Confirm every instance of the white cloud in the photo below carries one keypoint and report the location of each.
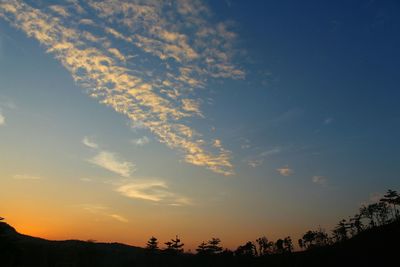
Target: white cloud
(285, 171)
(119, 218)
(26, 177)
(141, 141)
(319, 179)
(154, 190)
(110, 162)
(275, 150)
(2, 120)
(159, 98)
(89, 143)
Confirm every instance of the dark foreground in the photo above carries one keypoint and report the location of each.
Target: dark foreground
(379, 246)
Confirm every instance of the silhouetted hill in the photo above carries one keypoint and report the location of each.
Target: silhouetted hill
(373, 247)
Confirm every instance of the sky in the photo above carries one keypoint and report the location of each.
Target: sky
(122, 120)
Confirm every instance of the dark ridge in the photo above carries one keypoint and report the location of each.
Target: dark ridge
(377, 246)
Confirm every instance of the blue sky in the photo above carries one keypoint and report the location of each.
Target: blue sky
(254, 114)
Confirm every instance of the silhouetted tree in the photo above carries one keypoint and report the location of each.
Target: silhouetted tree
(321, 238)
(308, 239)
(313, 239)
(202, 248)
(301, 243)
(175, 245)
(392, 198)
(264, 246)
(357, 224)
(152, 244)
(213, 246)
(368, 213)
(248, 249)
(340, 231)
(382, 213)
(287, 244)
(279, 246)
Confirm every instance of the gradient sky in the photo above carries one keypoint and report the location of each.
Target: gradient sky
(120, 120)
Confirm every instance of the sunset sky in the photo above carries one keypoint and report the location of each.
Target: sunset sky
(120, 120)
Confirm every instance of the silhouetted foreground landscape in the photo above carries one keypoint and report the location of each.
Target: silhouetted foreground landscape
(370, 238)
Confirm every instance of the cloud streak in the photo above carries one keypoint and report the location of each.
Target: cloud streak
(2, 119)
(112, 163)
(285, 171)
(321, 180)
(154, 190)
(26, 177)
(171, 57)
(89, 143)
(259, 159)
(103, 211)
(141, 141)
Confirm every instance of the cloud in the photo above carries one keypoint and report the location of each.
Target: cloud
(157, 88)
(141, 141)
(119, 218)
(217, 143)
(62, 11)
(2, 119)
(110, 162)
(6, 102)
(322, 180)
(285, 171)
(26, 177)
(154, 190)
(103, 211)
(328, 121)
(89, 143)
(257, 160)
(289, 115)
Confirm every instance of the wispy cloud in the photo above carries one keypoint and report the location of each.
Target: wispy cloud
(112, 163)
(2, 119)
(328, 121)
(108, 160)
(86, 179)
(89, 143)
(173, 37)
(289, 115)
(285, 171)
(141, 141)
(7, 103)
(26, 177)
(119, 218)
(322, 180)
(103, 211)
(257, 160)
(154, 190)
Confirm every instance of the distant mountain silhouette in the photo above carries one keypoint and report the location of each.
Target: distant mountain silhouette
(377, 246)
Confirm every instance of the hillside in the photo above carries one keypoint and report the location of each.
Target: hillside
(374, 247)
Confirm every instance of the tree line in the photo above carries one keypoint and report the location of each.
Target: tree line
(383, 212)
